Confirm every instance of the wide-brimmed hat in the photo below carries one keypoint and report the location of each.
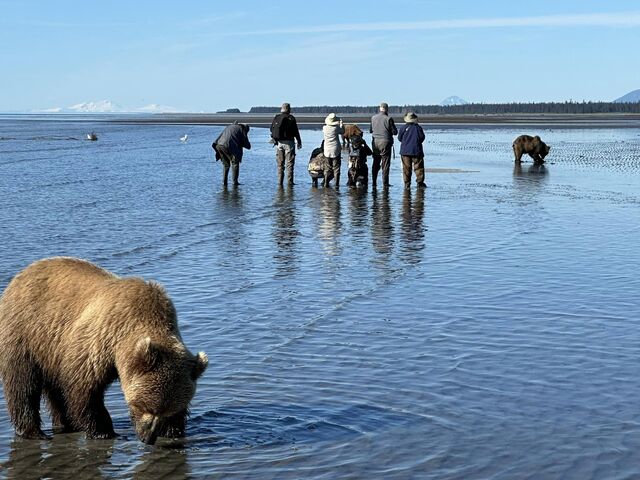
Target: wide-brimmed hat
(332, 120)
(411, 117)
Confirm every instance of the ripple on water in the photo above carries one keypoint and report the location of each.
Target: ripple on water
(484, 328)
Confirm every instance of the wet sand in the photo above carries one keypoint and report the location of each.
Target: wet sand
(316, 120)
(489, 121)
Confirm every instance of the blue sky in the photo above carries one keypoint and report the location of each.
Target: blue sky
(210, 55)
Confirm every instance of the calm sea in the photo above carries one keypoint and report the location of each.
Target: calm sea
(488, 327)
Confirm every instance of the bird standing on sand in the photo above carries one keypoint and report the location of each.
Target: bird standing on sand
(185, 138)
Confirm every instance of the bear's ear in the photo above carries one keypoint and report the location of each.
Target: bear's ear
(537, 137)
(202, 361)
(146, 354)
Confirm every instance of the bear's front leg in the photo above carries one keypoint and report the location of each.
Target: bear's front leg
(60, 421)
(22, 390)
(88, 413)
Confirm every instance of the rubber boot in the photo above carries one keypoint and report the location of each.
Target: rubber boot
(225, 175)
(235, 173)
(385, 180)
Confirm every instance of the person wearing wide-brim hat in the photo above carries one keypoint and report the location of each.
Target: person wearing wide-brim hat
(332, 148)
(411, 137)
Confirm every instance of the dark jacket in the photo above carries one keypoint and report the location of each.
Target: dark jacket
(284, 127)
(234, 138)
(411, 137)
(383, 127)
(360, 150)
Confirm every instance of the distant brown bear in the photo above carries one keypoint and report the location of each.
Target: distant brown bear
(350, 131)
(68, 329)
(533, 146)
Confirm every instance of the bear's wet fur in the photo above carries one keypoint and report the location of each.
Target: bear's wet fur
(533, 146)
(68, 329)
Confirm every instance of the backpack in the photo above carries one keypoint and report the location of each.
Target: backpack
(355, 145)
(279, 127)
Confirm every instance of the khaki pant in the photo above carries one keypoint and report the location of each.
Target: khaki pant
(285, 157)
(381, 159)
(418, 166)
(332, 165)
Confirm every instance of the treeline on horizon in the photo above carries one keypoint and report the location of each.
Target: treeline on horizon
(470, 108)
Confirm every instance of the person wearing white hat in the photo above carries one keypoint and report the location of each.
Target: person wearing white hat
(332, 147)
(382, 130)
(411, 137)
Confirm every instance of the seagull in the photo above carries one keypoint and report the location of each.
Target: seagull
(185, 138)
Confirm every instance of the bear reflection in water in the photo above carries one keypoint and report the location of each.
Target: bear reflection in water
(68, 329)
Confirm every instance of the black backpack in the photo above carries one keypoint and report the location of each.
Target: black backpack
(279, 127)
(355, 145)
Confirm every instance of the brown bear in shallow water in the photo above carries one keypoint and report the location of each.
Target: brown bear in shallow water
(533, 146)
(68, 329)
(350, 131)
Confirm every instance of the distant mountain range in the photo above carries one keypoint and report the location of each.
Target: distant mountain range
(631, 97)
(107, 106)
(453, 100)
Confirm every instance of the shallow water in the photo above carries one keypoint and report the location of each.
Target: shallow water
(485, 328)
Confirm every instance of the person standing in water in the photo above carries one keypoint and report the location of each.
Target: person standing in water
(332, 147)
(228, 147)
(411, 137)
(382, 131)
(284, 130)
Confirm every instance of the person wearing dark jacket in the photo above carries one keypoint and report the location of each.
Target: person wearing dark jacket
(382, 130)
(411, 137)
(358, 173)
(228, 147)
(284, 130)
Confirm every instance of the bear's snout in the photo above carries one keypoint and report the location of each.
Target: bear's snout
(147, 428)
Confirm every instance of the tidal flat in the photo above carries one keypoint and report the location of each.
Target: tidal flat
(486, 327)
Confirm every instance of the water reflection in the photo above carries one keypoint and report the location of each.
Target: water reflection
(533, 173)
(330, 223)
(529, 181)
(381, 225)
(412, 228)
(163, 462)
(65, 456)
(230, 208)
(358, 207)
(285, 232)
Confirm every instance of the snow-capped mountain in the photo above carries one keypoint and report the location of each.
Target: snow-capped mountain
(453, 100)
(631, 97)
(108, 106)
(101, 106)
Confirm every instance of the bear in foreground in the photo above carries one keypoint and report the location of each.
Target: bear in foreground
(533, 146)
(68, 329)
